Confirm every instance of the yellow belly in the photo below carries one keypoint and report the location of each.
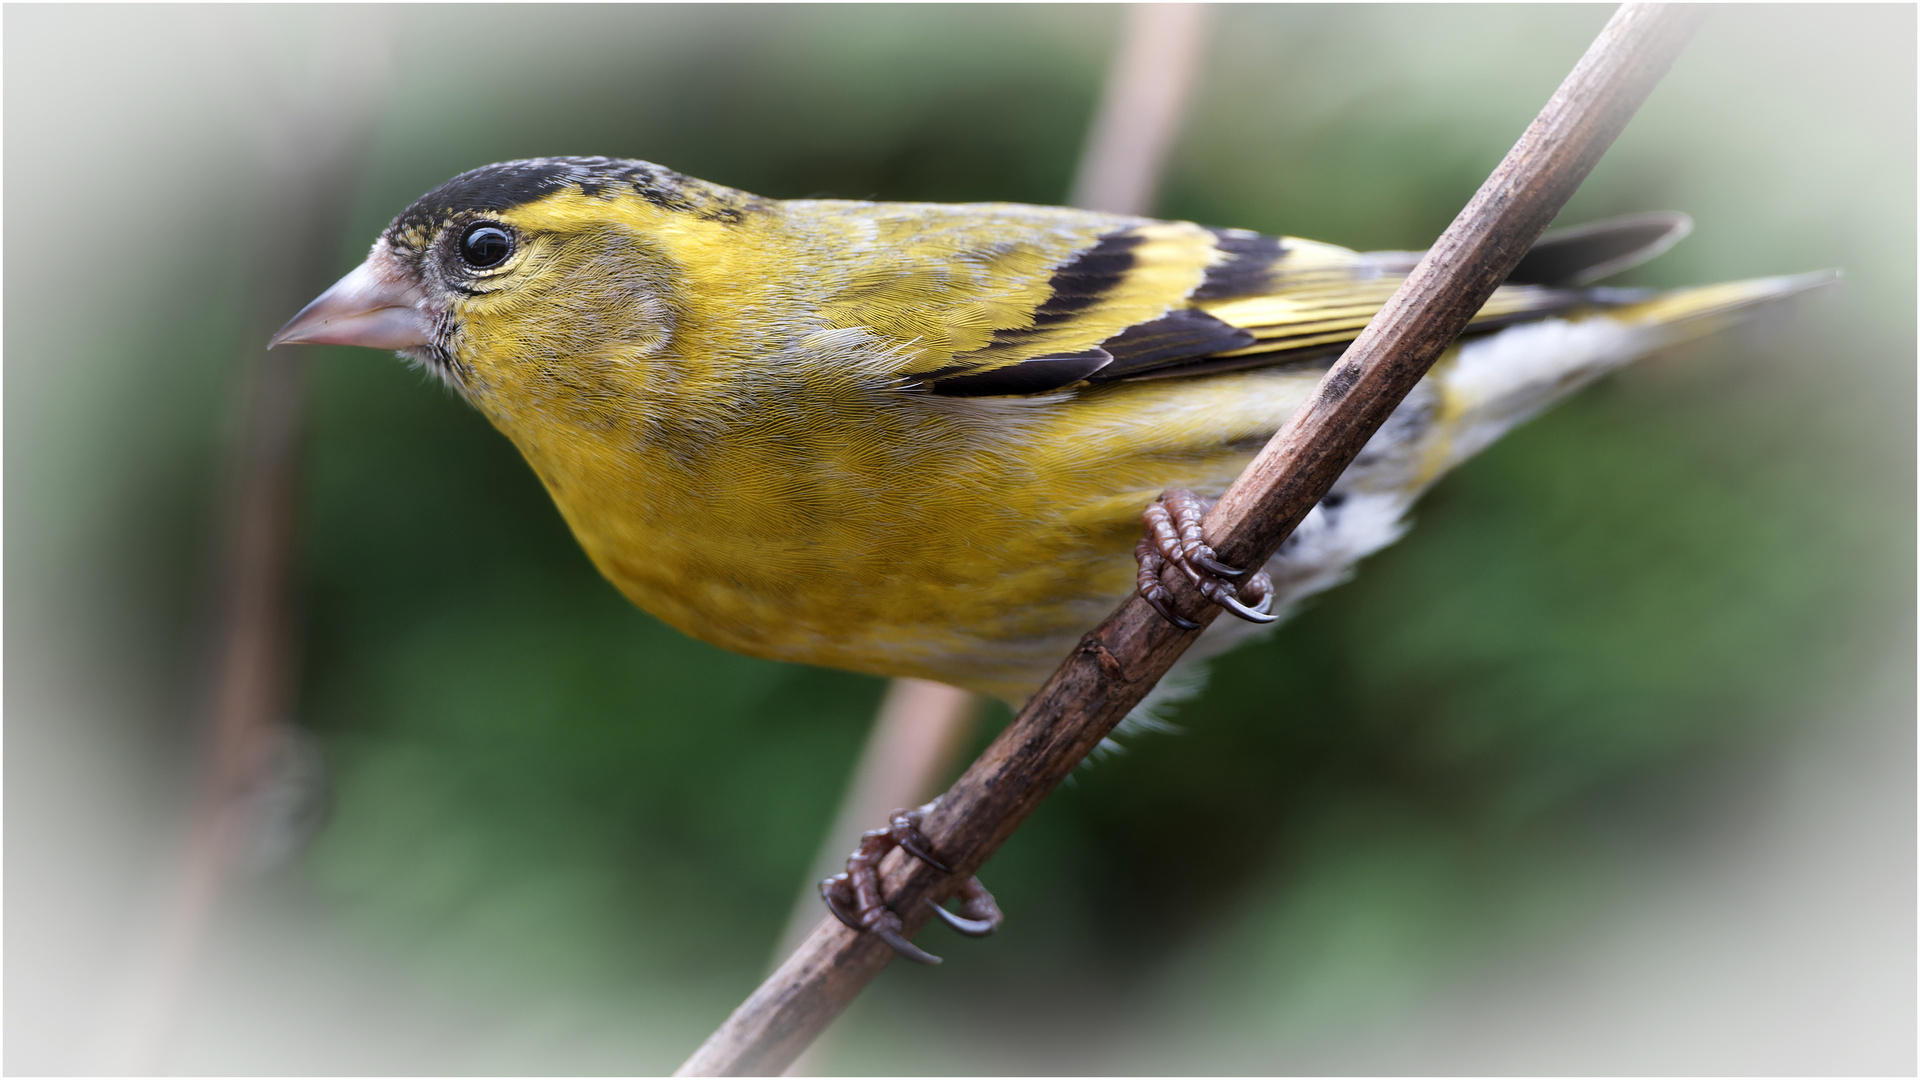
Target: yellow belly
(966, 541)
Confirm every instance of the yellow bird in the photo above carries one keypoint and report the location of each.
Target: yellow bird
(916, 440)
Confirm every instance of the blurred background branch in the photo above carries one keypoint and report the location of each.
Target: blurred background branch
(257, 781)
(1149, 85)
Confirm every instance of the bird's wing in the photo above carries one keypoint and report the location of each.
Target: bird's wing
(1025, 304)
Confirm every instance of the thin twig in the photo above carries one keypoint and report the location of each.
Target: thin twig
(1116, 664)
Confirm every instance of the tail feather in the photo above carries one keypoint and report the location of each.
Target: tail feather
(1581, 255)
(1492, 384)
(1584, 254)
(1704, 309)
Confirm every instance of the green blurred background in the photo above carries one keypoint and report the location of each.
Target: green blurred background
(1608, 766)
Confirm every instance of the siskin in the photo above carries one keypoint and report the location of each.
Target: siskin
(917, 440)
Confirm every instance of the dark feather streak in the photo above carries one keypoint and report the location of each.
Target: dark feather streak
(1177, 335)
(1035, 376)
(1079, 283)
(1248, 270)
(1589, 252)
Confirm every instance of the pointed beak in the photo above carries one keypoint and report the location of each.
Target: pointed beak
(376, 306)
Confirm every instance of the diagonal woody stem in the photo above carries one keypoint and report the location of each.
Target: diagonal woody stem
(1122, 659)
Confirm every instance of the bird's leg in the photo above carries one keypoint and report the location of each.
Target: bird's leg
(1174, 539)
(854, 895)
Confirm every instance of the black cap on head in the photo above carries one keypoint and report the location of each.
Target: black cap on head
(496, 188)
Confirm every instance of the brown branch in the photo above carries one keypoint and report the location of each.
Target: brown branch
(1116, 664)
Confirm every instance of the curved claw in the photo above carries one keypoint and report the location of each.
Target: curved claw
(1214, 566)
(904, 947)
(1254, 615)
(1167, 613)
(915, 845)
(827, 889)
(973, 928)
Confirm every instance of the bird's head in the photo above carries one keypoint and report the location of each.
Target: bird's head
(530, 273)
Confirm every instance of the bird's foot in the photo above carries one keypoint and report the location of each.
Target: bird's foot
(1174, 539)
(854, 895)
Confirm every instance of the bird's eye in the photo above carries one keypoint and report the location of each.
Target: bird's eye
(485, 245)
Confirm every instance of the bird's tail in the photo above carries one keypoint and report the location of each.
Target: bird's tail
(1483, 388)
(1704, 309)
(1480, 390)
(1490, 384)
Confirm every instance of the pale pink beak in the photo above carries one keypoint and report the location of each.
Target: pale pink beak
(375, 305)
